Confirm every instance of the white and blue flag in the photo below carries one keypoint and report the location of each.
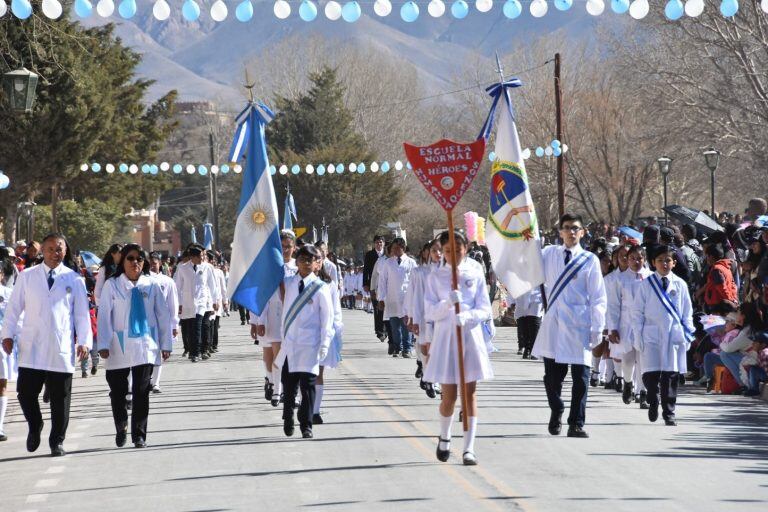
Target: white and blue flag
(289, 213)
(193, 235)
(256, 269)
(208, 236)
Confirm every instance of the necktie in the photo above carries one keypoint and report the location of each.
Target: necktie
(399, 260)
(664, 283)
(194, 267)
(567, 256)
(301, 286)
(50, 279)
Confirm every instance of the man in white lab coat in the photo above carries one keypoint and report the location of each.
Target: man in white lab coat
(55, 329)
(198, 294)
(394, 278)
(573, 323)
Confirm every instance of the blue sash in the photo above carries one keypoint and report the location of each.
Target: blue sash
(569, 272)
(661, 294)
(301, 301)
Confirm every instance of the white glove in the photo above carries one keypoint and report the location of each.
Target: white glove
(322, 354)
(462, 318)
(455, 297)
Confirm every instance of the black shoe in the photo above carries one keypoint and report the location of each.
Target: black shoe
(193, 359)
(443, 455)
(643, 400)
(395, 354)
(423, 385)
(593, 380)
(317, 419)
(58, 451)
(576, 431)
(390, 349)
(619, 384)
(611, 384)
(85, 374)
(93, 370)
(626, 395)
(184, 354)
(268, 390)
(710, 385)
(653, 411)
(406, 354)
(555, 423)
(419, 371)
(242, 322)
(205, 356)
(519, 351)
(140, 443)
(670, 422)
(33, 439)
(526, 353)
(533, 358)
(3, 437)
(430, 389)
(288, 427)
(306, 433)
(276, 399)
(121, 437)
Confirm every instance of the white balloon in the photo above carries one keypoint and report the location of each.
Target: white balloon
(283, 169)
(564, 148)
(539, 8)
(219, 11)
(214, 169)
(164, 166)
(398, 165)
(374, 167)
(333, 10)
(763, 6)
(595, 7)
(310, 169)
(161, 10)
(282, 9)
(484, 5)
(3, 8)
(133, 169)
(238, 168)
(436, 8)
(695, 7)
(639, 9)
(191, 169)
(110, 168)
(105, 8)
(83, 167)
(51, 8)
(527, 153)
(382, 7)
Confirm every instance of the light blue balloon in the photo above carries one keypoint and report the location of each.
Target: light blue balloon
(22, 9)
(224, 169)
(555, 144)
(145, 168)
(295, 169)
(563, 5)
(96, 167)
(360, 168)
(272, 170)
(202, 170)
(674, 10)
(307, 11)
(512, 9)
(620, 6)
(177, 169)
(491, 156)
(729, 8)
(385, 167)
(83, 8)
(244, 11)
(351, 12)
(123, 168)
(153, 170)
(539, 151)
(190, 10)
(127, 9)
(409, 12)
(320, 170)
(459, 9)
(340, 168)
(557, 151)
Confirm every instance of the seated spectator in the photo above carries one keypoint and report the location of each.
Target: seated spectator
(719, 292)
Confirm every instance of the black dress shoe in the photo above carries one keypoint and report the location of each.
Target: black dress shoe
(276, 399)
(317, 419)
(556, 423)
(93, 370)
(184, 354)
(430, 389)
(121, 437)
(3, 437)
(619, 384)
(576, 431)
(306, 433)
(653, 411)
(593, 380)
(391, 349)
(526, 354)
(33, 439)
(288, 428)
(626, 395)
(193, 359)
(670, 422)
(419, 372)
(85, 374)
(58, 451)
(443, 455)
(140, 443)
(519, 351)
(205, 356)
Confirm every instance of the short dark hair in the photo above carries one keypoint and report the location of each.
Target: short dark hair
(309, 250)
(156, 256)
(662, 249)
(458, 235)
(54, 236)
(715, 250)
(399, 241)
(195, 251)
(571, 217)
(376, 238)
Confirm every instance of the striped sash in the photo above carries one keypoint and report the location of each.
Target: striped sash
(661, 294)
(569, 272)
(301, 301)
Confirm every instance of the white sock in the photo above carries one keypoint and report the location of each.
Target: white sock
(268, 373)
(276, 370)
(155, 380)
(3, 407)
(318, 398)
(469, 435)
(618, 369)
(445, 430)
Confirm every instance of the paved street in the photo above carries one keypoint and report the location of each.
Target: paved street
(215, 444)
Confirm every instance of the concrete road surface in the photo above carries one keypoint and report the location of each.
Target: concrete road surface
(216, 445)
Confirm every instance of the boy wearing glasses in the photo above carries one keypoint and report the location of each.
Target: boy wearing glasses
(573, 323)
(307, 325)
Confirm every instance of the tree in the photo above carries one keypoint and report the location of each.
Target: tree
(88, 108)
(88, 225)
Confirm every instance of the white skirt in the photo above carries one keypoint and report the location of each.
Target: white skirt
(443, 364)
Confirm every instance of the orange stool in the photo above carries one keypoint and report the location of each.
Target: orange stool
(718, 379)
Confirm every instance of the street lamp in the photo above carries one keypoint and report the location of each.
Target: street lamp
(20, 88)
(712, 158)
(665, 165)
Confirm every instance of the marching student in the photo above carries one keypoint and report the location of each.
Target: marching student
(197, 289)
(442, 365)
(528, 313)
(109, 265)
(368, 285)
(134, 336)
(333, 358)
(171, 296)
(663, 327)
(573, 324)
(613, 283)
(223, 302)
(394, 278)
(8, 362)
(307, 324)
(54, 303)
(268, 326)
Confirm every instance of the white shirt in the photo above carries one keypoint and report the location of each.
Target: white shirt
(197, 287)
(529, 304)
(171, 295)
(52, 318)
(394, 279)
(221, 282)
(272, 316)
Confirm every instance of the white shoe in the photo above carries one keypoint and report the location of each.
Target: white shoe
(156, 389)
(469, 459)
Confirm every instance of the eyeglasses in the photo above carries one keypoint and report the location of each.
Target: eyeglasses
(140, 259)
(305, 259)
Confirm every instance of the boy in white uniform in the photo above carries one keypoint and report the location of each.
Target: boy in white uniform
(171, 295)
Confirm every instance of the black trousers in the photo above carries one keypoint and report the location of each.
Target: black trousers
(215, 331)
(59, 385)
(206, 329)
(554, 375)
(197, 333)
(527, 329)
(378, 319)
(118, 388)
(292, 382)
(662, 385)
(245, 315)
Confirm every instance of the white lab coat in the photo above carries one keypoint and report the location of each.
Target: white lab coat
(171, 296)
(394, 279)
(443, 364)
(198, 289)
(332, 271)
(114, 311)
(52, 318)
(333, 358)
(529, 304)
(574, 324)
(662, 340)
(8, 362)
(621, 289)
(310, 331)
(374, 287)
(414, 301)
(272, 315)
(221, 283)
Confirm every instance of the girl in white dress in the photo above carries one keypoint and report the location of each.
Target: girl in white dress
(9, 365)
(443, 364)
(333, 358)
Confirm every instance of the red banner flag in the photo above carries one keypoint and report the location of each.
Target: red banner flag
(446, 168)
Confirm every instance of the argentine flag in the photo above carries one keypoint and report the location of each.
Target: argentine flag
(256, 269)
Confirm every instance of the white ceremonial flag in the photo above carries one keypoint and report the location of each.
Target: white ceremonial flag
(512, 233)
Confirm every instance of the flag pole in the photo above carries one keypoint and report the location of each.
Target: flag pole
(457, 310)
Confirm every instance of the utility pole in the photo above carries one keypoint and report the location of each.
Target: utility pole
(559, 135)
(213, 193)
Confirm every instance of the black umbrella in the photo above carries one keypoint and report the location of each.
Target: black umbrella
(703, 222)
